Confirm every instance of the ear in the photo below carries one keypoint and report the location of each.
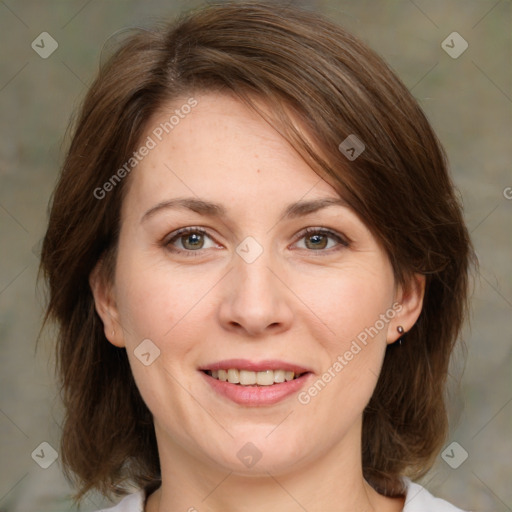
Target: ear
(410, 298)
(105, 304)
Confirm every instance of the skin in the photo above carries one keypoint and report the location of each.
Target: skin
(296, 302)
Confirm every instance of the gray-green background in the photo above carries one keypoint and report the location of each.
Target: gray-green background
(467, 99)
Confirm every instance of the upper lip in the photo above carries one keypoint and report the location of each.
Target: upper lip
(255, 366)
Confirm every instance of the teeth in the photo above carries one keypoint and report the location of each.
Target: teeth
(265, 378)
(248, 378)
(233, 376)
(279, 375)
(289, 375)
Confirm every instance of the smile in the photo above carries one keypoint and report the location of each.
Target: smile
(251, 378)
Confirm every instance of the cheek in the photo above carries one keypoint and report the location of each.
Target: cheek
(354, 306)
(157, 305)
(152, 300)
(349, 301)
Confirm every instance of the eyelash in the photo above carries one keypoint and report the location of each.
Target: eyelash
(167, 242)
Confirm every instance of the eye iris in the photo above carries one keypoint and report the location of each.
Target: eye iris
(317, 237)
(197, 240)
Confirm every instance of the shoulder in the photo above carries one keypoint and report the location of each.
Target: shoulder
(418, 499)
(131, 503)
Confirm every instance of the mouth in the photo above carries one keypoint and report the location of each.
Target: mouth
(255, 384)
(251, 378)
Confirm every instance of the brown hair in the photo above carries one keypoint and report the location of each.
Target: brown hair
(307, 68)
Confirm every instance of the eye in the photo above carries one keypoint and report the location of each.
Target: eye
(317, 239)
(189, 240)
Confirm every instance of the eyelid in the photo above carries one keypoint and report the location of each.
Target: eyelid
(339, 237)
(166, 242)
(342, 239)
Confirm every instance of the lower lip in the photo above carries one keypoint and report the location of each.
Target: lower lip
(257, 395)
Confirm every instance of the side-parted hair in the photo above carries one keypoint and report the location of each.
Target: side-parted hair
(303, 68)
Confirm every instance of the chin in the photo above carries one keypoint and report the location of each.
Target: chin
(257, 453)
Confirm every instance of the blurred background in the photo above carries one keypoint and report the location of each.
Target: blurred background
(465, 92)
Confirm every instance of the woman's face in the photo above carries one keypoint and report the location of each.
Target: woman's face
(247, 289)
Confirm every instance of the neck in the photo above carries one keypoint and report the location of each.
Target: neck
(333, 481)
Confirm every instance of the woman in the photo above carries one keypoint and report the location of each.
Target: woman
(259, 269)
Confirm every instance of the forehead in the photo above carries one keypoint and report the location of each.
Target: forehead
(221, 150)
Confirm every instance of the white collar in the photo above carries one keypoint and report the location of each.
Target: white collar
(417, 499)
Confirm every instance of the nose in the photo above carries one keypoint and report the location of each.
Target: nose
(256, 300)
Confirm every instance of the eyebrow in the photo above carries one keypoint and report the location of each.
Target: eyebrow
(210, 209)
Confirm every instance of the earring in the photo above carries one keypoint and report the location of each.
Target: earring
(400, 330)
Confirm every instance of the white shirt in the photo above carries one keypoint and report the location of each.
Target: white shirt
(417, 499)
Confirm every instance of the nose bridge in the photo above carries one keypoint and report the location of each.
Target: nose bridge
(256, 298)
(253, 278)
